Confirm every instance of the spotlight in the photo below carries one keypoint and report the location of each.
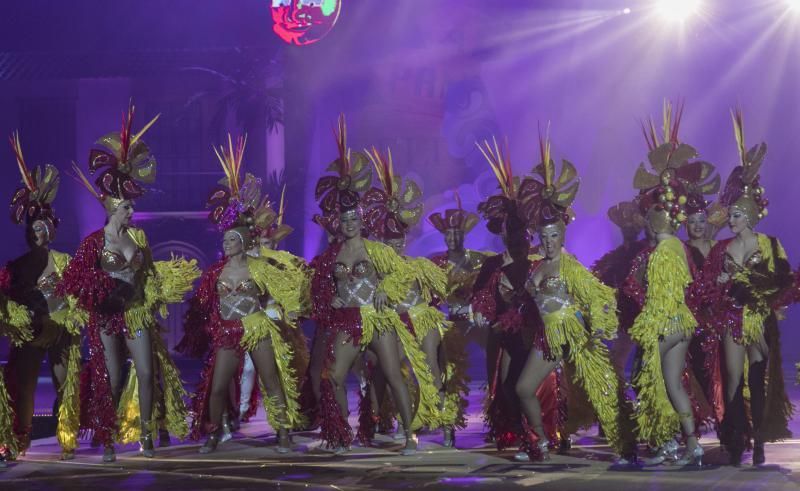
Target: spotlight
(677, 10)
(626, 11)
(793, 4)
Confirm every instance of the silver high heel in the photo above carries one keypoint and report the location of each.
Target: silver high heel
(668, 451)
(694, 457)
(410, 438)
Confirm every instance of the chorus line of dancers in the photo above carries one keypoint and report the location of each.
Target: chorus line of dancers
(699, 318)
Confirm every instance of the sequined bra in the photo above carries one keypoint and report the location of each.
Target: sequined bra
(119, 268)
(237, 301)
(47, 286)
(550, 294)
(732, 267)
(356, 284)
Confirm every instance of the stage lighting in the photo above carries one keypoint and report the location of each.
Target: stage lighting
(626, 10)
(677, 10)
(793, 4)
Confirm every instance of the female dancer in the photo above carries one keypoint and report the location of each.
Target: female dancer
(557, 300)
(238, 308)
(391, 211)
(658, 281)
(462, 266)
(702, 222)
(350, 290)
(115, 279)
(15, 324)
(56, 320)
(744, 275)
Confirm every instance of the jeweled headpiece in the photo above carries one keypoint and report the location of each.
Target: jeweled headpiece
(551, 198)
(512, 208)
(342, 191)
(742, 188)
(395, 206)
(268, 222)
(626, 216)
(123, 165)
(454, 218)
(33, 201)
(662, 192)
(233, 202)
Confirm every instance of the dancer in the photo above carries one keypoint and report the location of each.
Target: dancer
(703, 220)
(659, 281)
(239, 307)
(390, 212)
(569, 311)
(613, 268)
(115, 279)
(56, 320)
(353, 281)
(742, 278)
(15, 324)
(462, 266)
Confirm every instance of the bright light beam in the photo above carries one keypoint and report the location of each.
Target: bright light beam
(677, 10)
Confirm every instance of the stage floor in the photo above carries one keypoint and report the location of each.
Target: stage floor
(249, 461)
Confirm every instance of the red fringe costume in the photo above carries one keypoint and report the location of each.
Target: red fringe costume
(85, 280)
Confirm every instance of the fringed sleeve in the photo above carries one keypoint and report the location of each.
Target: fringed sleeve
(597, 301)
(15, 321)
(71, 317)
(196, 340)
(665, 312)
(83, 277)
(323, 286)
(282, 281)
(396, 275)
(431, 278)
(484, 301)
(633, 287)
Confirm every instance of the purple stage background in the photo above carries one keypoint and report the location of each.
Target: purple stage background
(426, 78)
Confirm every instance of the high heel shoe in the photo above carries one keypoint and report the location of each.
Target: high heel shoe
(284, 443)
(67, 454)
(692, 457)
(758, 454)
(411, 444)
(668, 451)
(211, 443)
(163, 438)
(227, 429)
(449, 437)
(146, 447)
(109, 455)
(544, 449)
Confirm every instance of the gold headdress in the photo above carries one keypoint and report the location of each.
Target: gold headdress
(341, 192)
(457, 218)
(233, 202)
(742, 188)
(125, 162)
(394, 207)
(513, 207)
(33, 201)
(552, 198)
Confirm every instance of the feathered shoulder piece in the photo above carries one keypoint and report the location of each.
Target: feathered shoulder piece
(33, 201)
(395, 206)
